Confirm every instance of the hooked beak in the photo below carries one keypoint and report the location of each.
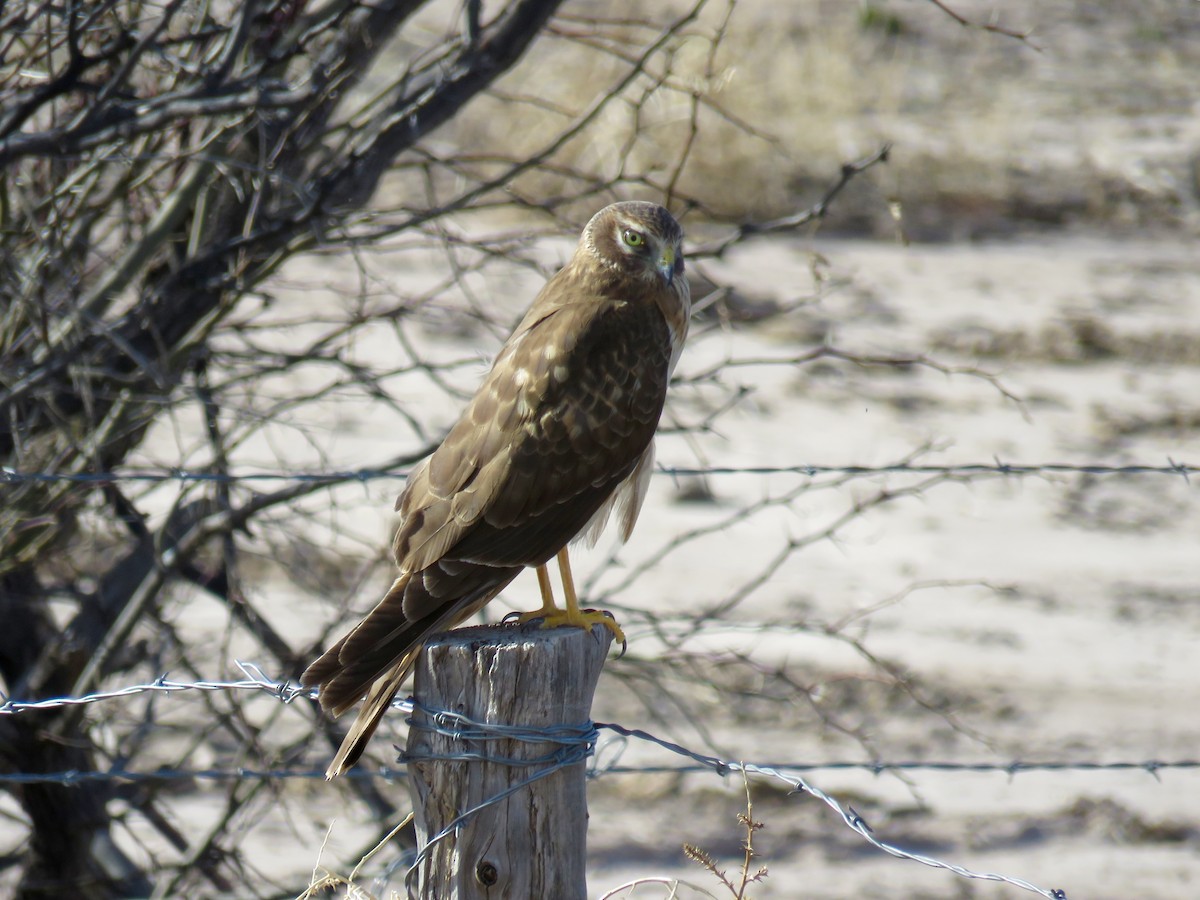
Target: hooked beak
(666, 264)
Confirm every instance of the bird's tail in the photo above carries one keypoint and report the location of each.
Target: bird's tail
(375, 657)
(346, 670)
(378, 701)
(371, 661)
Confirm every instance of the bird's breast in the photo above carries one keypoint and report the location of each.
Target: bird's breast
(675, 302)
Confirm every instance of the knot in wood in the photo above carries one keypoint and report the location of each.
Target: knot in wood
(486, 873)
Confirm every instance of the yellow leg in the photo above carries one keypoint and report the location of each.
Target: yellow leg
(568, 582)
(548, 605)
(549, 610)
(552, 616)
(576, 616)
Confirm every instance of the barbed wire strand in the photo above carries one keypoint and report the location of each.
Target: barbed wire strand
(575, 744)
(848, 814)
(257, 681)
(997, 467)
(391, 775)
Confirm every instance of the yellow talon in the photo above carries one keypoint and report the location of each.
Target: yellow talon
(554, 617)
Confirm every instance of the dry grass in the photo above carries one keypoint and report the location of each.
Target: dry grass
(989, 130)
(748, 873)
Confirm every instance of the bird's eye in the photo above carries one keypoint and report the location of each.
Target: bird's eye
(633, 238)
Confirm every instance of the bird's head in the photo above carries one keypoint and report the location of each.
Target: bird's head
(640, 240)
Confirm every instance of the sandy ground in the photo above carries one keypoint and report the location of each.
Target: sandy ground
(1083, 644)
(1039, 619)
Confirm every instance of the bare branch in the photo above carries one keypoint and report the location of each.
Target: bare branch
(993, 26)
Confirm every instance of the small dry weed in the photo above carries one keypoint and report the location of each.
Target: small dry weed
(737, 885)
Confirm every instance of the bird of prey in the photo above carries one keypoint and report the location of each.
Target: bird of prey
(559, 433)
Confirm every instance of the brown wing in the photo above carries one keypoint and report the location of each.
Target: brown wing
(563, 417)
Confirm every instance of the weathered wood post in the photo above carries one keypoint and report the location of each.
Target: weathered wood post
(532, 841)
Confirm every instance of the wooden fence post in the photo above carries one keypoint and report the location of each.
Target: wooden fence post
(532, 842)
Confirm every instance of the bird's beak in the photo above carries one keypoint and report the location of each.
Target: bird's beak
(666, 264)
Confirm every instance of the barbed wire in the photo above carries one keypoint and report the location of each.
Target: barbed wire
(996, 467)
(285, 691)
(849, 815)
(391, 775)
(255, 680)
(575, 743)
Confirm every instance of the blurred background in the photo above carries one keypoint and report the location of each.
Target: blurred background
(923, 533)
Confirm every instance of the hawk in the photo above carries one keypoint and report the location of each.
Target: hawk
(559, 433)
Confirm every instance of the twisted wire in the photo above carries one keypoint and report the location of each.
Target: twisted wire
(997, 467)
(570, 745)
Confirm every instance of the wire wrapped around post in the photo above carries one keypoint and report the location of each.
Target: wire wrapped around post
(501, 730)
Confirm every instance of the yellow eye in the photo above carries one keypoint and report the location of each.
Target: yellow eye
(633, 238)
